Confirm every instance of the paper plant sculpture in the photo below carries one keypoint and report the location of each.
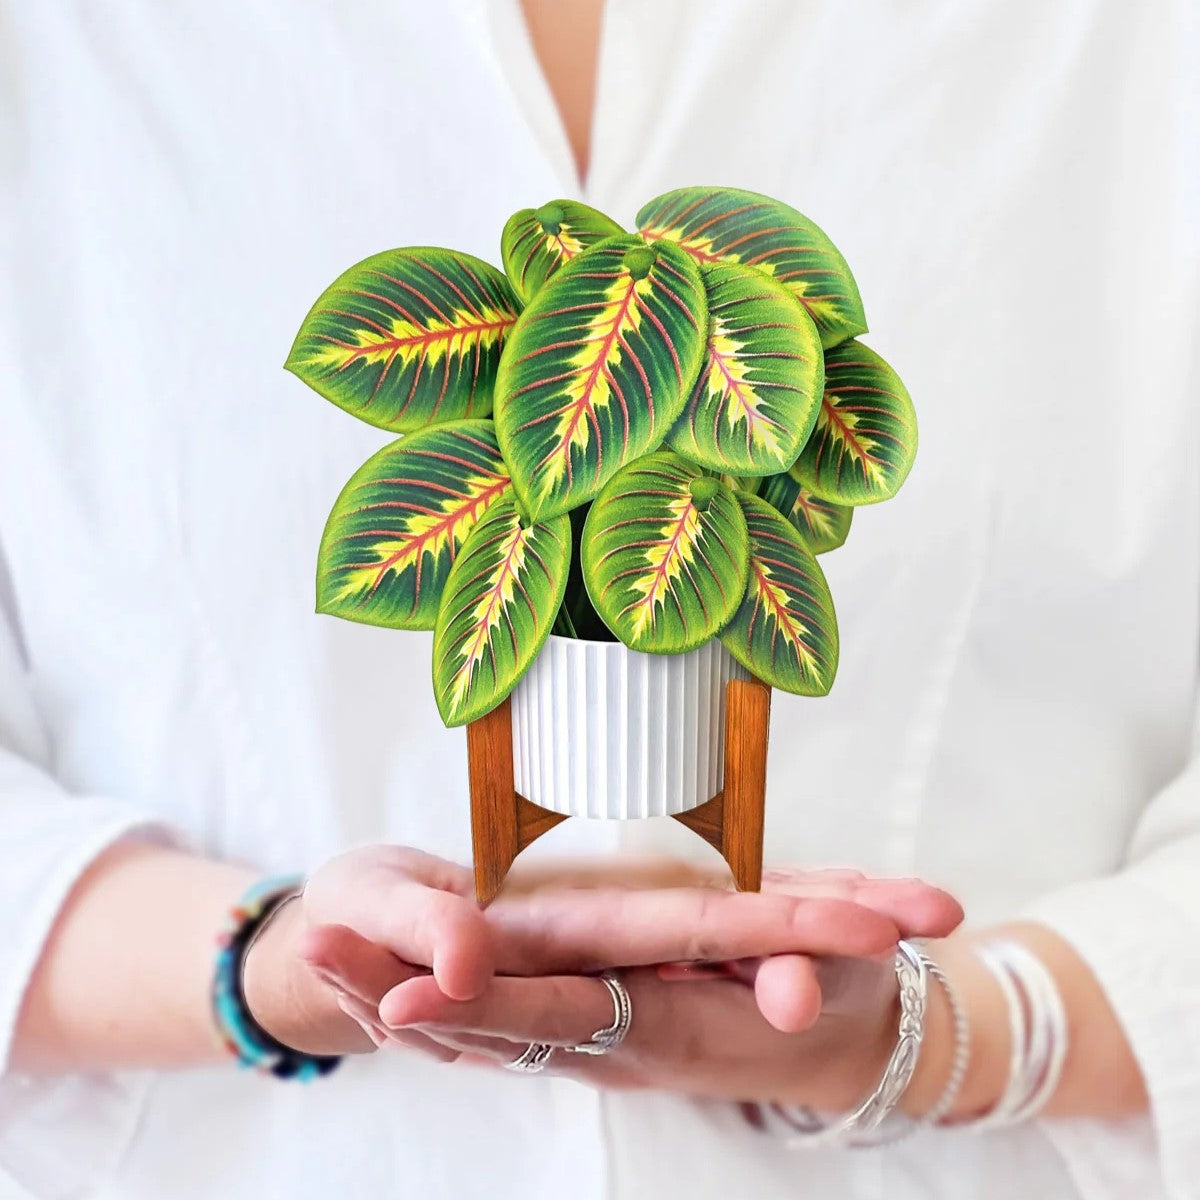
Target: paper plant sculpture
(642, 436)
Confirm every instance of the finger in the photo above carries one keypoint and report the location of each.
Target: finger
(363, 1017)
(421, 924)
(583, 930)
(560, 1009)
(788, 992)
(367, 1018)
(496, 1053)
(919, 909)
(423, 1044)
(479, 1050)
(850, 985)
(460, 1043)
(356, 965)
(438, 873)
(792, 990)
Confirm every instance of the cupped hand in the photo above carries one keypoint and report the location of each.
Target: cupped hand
(589, 917)
(812, 1023)
(366, 920)
(706, 1038)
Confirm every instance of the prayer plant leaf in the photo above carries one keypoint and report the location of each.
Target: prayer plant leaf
(726, 224)
(823, 526)
(408, 338)
(784, 631)
(597, 369)
(397, 526)
(866, 435)
(756, 399)
(500, 600)
(665, 555)
(536, 242)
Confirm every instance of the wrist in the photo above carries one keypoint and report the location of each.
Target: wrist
(284, 997)
(987, 1019)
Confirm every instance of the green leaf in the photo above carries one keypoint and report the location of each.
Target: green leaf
(784, 630)
(665, 555)
(396, 527)
(408, 338)
(597, 369)
(756, 399)
(725, 224)
(498, 606)
(536, 242)
(823, 525)
(866, 436)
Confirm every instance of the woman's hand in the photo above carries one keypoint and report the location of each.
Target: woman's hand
(706, 1038)
(814, 1028)
(386, 914)
(581, 921)
(376, 918)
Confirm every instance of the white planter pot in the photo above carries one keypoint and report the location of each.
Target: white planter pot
(602, 731)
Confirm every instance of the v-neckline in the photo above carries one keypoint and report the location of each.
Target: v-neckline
(527, 82)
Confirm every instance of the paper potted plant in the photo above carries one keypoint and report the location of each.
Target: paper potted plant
(618, 460)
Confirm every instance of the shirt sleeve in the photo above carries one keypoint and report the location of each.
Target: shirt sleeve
(54, 1133)
(1139, 932)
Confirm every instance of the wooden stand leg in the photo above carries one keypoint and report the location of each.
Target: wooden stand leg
(747, 718)
(502, 823)
(732, 821)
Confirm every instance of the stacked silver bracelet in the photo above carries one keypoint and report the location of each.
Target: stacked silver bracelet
(1038, 1024)
(803, 1128)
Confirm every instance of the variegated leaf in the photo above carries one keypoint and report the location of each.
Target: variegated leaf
(756, 399)
(866, 436)
(664, 555)
(823, 526)
(408, 338)
(597, 369)
(499, 603)
(397, 526)
(536, 242)
(726, 224)
(784, 630)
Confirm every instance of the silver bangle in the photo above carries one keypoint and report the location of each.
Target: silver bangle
(804, 1129)
(900, 1130)
(1047, 1004)
(1018, 1039)
(962, 1049)
(1038, 1025)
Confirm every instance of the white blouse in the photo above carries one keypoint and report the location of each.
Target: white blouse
(1016, 185)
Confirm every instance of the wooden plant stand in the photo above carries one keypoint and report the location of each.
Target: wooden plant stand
(503, 822)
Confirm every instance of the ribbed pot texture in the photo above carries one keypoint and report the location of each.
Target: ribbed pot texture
(602, 731)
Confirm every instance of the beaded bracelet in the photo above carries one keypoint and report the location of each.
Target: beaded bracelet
(236, 1028)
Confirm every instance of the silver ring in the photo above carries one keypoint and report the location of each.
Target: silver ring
(605, 1040)
(532, 1059)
